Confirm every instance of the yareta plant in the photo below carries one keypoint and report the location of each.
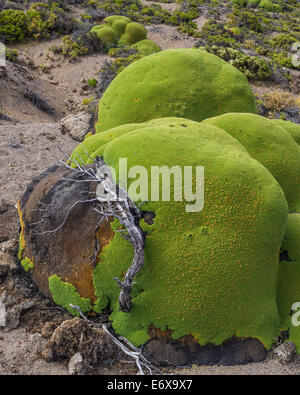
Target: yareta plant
(120, 30)
(212, 274)
(187, 83)
(272, 144)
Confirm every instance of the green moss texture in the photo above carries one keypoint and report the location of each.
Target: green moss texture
(146, 47)
(120, 30)
(65, 294)
(106, 34)
(27, 264)
(289, 278)
(134, 32)
(291, 127)
(270, 143)
(186, 83)
(212, 273)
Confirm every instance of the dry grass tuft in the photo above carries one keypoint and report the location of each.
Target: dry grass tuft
(278, 100)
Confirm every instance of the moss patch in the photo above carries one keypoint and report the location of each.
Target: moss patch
(146, 47)
(271, 144)
(154, 81)
(27, 264)
(289, 278)
(65, 294)
(213, 273)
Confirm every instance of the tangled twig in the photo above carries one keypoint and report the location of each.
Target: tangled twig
(139, 358)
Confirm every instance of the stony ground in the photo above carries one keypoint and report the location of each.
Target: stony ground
(31, 140)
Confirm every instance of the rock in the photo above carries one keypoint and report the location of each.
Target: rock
(76, 365)
(36, 341)
(13, 314)
(15, 144)
(62, 252)
(286, 352)
(2, 313)
(15, 5)
(9, 246)
(185, 350)
(3, 206)
(3, 72)
(7, 264)
(85, 87)
(76, 125)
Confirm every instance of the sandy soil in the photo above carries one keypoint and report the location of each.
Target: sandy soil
(165, 6)
(26, 150)
(271, 366)
(168, 37)
(17, 356)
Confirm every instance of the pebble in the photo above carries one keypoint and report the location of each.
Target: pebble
(76, 365)
(3, 206)
(15, 144)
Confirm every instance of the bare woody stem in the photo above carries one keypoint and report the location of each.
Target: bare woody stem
(123, 209)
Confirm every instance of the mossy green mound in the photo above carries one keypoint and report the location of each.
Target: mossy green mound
(134, 32)
(185, 83)
(270, 143)
(118, 23)
(116, 18)
(120, 29)
(291, 127)
(106, 34)
(146, 47)
(289, 279)
(210, 273)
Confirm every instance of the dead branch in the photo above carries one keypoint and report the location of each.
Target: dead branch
(139, 358)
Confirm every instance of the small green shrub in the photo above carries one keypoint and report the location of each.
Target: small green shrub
(253, 67)
(13, 25)
(92, 82)
(72, 49)
(11, 55)
(39, 21)
(269, 6)
(106, 34)
(27, 264)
